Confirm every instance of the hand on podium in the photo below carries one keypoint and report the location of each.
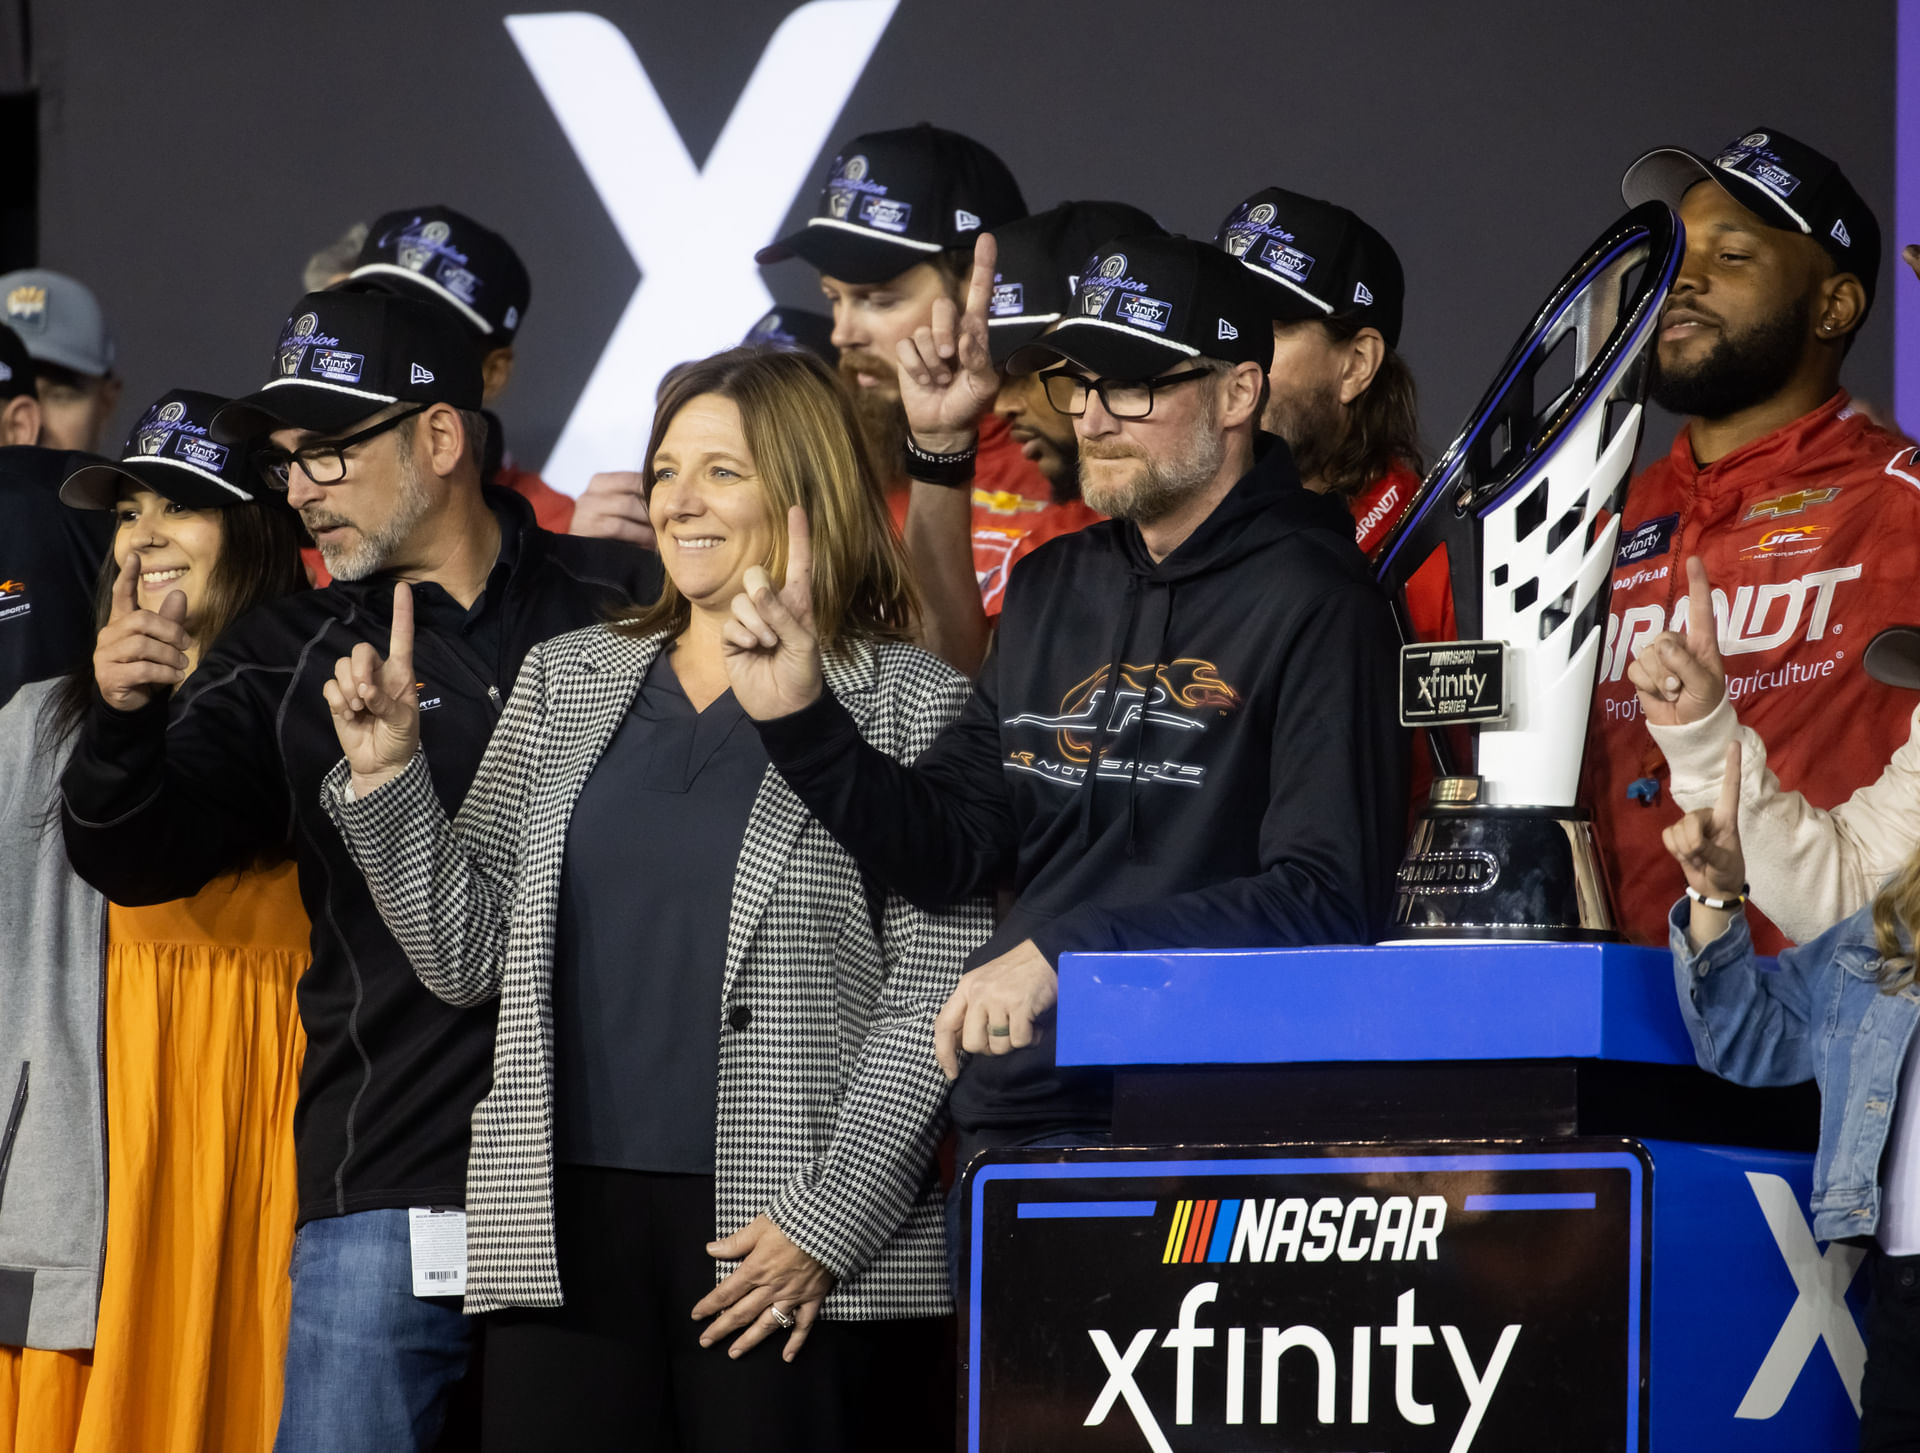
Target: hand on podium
(1680, 679)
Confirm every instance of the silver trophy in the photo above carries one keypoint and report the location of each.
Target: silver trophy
(1526, 502)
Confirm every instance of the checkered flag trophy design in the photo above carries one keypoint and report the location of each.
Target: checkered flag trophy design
(1527, 501)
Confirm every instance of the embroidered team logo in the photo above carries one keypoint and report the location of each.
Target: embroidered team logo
(158, 427)
(1797, 502)
(1787, 540)
(14, 604)
(418, 248)
(293, 347)
(27, 307)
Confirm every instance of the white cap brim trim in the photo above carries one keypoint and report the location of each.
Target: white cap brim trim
(1026, 318)
(1292, 287)
(338, 388)
(871, 234)
(206, 474)
(393, 269)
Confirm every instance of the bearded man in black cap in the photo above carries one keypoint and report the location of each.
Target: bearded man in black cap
(1254, 791)
(1805, 513)
(893, 238)
(373, 409)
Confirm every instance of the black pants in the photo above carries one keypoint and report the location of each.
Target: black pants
(1890, 1389)
(620, 1365)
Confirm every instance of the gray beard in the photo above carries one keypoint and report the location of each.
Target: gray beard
(1162, 485)
(366, 554)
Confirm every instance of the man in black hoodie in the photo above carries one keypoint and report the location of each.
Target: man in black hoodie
(1186, 735)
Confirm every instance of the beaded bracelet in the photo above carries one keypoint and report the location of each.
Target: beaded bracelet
(1723, 904)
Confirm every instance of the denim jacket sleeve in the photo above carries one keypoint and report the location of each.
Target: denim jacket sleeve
(1751, 1022)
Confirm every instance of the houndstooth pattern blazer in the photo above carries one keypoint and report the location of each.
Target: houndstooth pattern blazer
(830, 1100)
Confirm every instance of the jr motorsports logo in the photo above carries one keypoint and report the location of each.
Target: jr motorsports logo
(695, 294)
(1104, 724)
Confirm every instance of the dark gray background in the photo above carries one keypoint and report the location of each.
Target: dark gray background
(193, 156)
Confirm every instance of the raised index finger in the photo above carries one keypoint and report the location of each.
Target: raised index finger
(400, 641)
(1703, 632)
(1727, 814)
(799, 552)
(986, 257)
(124, 602)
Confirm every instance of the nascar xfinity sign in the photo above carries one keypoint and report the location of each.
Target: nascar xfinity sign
(1301, 1300)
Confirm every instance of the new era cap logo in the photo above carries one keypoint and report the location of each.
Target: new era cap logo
(964, 221)
(1360, 294)
(419, 375)
(1840, 233)
(1227, 330)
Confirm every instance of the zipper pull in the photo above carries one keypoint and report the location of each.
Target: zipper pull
(493, 695)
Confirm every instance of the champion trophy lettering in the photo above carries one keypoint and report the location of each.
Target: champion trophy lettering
(1526, 501)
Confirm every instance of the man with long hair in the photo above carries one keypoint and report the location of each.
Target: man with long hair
(1805, 513)
(892, 238)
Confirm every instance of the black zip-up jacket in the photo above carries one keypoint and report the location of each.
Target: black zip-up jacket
(1249, 771)
(50, 557)
(162, 800)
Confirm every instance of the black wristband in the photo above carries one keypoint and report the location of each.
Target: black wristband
(949, 471)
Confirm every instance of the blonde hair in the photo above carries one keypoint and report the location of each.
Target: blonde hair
(805, 441)
(1896, 915)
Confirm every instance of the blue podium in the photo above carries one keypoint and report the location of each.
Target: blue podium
(1402, 1198)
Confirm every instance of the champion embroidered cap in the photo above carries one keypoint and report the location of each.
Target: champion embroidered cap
(1147, 303)
(172, 452)
(894, 199)
(446, 256)
(342, 357)
(16, 366)
(1784, 182)
(59, 320)
(1317, 260)
(795, 329)
(1040, 258)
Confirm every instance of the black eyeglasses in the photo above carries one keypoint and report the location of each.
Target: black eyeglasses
(1124, 398)
(324, 463)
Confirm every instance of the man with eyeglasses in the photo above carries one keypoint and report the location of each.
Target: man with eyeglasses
(1186, 734)
(376, 439)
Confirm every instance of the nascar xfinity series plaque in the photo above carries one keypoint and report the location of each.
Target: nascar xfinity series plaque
(1396, 1300)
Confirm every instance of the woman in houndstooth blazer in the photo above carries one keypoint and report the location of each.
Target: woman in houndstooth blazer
(590, 1236)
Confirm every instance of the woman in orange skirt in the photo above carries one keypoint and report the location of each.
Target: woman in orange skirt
(196, 1010)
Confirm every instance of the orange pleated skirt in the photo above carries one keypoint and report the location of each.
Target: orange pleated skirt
(203, 1048)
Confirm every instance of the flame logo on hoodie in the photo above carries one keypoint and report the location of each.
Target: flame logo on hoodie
(1174, 694)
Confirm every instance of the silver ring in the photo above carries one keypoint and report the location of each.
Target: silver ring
(787, 1323)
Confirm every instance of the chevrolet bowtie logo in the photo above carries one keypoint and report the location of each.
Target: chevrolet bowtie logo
(1792, 504)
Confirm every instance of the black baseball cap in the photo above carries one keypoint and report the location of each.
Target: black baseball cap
(796, 329)
(16, 365)
(1146, 303)
(446, 256)
(1784, 182)
(344, 356)
(1040, 258)
(893, 199)
(1316, 260)
(171, 451)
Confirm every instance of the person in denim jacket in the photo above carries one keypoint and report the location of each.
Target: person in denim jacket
(1839, 1010)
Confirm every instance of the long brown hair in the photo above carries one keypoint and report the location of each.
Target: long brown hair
(1896, 913)
(1383, 424)
(805, 441)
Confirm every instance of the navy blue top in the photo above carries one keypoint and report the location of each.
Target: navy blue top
(641, 949)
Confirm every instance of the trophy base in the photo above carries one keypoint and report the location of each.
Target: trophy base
(1474, 871)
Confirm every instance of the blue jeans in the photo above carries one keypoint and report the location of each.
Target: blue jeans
(971, 1143)
(369, 1364)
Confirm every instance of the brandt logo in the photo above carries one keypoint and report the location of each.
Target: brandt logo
(693, 296)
